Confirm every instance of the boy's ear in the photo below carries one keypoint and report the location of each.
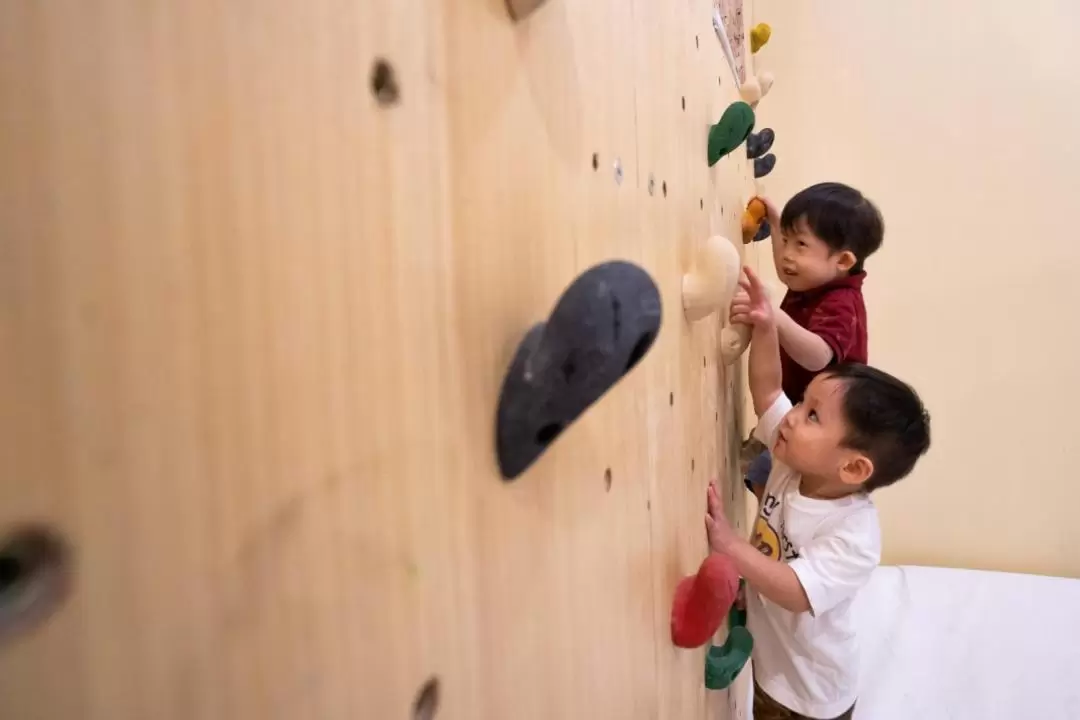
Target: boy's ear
(856, 469)
(846, 261)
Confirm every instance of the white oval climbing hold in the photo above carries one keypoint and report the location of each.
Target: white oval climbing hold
(756, 88)
(710, 288)
(712, 284)
(750, 91)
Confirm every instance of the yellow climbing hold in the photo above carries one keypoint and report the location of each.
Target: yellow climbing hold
(759, 35)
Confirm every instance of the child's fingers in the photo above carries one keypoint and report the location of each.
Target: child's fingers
(714, 500)
(754, 282)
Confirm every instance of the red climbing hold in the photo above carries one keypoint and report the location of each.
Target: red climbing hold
(702, 601)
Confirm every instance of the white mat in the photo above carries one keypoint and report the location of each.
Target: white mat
(959, 644)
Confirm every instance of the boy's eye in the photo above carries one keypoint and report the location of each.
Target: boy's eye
(812, 416)
(802, 244)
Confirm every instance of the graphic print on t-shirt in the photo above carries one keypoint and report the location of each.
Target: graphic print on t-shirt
(769, 540)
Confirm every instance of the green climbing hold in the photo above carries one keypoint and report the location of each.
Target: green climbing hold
(735, 125)
(723, 664)
(737, 616)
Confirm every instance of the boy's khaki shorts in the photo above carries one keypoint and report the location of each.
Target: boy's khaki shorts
(765, 708)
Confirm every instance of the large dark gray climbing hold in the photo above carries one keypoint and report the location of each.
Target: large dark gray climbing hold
(763, 232)
(520, 9)
(601, 327)
(764, 165)
(757, 144)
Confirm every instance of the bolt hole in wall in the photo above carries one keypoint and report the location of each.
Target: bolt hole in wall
(607, 480)
(35, 578)
(671, 399)
(663, 186)
(384, 84)
(684, 103)
(596, 161)
(427, 701)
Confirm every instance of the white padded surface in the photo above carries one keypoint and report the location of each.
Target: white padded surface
(957, 644)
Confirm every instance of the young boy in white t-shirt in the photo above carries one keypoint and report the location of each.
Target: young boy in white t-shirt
(816, 539)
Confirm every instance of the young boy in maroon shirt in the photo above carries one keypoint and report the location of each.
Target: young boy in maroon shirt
(820, 243)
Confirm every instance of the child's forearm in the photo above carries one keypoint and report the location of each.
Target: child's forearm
(804, 347)
(775, 580)
(764, 374)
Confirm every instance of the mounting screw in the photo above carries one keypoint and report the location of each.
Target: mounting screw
(652, 184)
(618, 171)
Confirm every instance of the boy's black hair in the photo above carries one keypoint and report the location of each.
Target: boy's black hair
(841, 216)
(886, 420)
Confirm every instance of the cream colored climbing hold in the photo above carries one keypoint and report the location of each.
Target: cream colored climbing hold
(765, 79)
(734, 339)
(712, 284)
(756, 88)
(710, 289)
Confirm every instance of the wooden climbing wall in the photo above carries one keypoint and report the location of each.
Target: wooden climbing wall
(263, 267)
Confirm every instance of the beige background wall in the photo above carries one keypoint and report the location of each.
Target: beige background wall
(957, 118)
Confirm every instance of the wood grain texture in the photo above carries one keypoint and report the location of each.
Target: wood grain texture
(254, 326)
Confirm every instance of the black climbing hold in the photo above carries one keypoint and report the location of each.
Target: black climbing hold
(763, 232)
(601, 327)
(734, 126)
(757, 144)
(764, 165)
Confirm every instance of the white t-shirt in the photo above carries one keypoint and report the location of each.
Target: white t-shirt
(809, 662)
